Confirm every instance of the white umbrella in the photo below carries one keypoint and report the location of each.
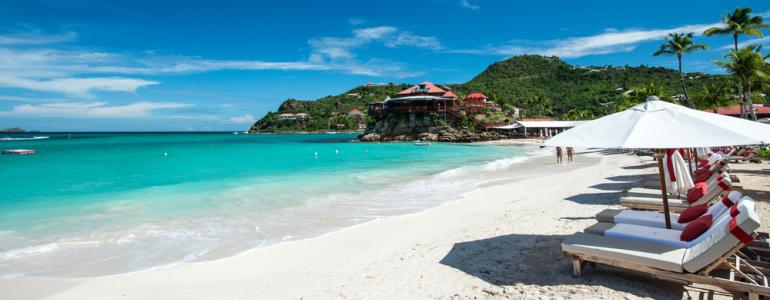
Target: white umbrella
(658, 124)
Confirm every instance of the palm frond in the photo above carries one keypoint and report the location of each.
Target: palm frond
(753, 32)
(717, 31)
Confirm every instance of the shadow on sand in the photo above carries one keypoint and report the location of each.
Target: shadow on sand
(597, 198)
(614, 186)
(642, 166)
(627, 178)
(753, 172)
(538, 260)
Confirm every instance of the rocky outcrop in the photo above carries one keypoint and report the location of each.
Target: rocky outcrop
(425, 128)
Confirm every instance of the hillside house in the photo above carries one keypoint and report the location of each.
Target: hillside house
(290, 116)
(420, 98)
(355, 113)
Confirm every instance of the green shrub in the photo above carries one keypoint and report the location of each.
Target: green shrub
(763, 153)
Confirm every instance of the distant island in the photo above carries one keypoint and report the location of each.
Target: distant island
(14, 130)
(527, 86)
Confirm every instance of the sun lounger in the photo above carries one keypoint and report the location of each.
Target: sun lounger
(655, 192)
(657, 219)
(749, 157)
(690, 265)
(645, 202)
(662, 235)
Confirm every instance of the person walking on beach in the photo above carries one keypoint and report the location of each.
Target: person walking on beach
(570, 153)
(558, 155)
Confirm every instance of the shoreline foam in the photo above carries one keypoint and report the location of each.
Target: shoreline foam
(217, 253)
(341, 252)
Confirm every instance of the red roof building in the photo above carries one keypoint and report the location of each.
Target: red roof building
(475, 101)
(735, 110)
(427, 88)
(355, 113)
(425, 97)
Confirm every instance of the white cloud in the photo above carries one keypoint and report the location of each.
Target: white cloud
(340, 53)
(77, 87)
(36, 38)
(184, 65)
(467, 4)
(245, 119)
(55, 63)
(95, 109)
(610, 41)
(25, 65)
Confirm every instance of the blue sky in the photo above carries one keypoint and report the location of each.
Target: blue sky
(93, 65)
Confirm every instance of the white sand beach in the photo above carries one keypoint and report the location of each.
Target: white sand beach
(501, 241)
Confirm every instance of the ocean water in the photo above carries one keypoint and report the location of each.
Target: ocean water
(91, 204)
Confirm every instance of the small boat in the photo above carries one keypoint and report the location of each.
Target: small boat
(330, 132)
(19, 151)
(235, 132)
(421, 143)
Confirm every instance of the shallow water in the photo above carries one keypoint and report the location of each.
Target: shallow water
(103, 203)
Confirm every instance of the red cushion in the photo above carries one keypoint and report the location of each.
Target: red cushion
(692, 213)
(702, 177)
(694, 193)
(695, 228)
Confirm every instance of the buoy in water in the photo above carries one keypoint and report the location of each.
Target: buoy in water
(337, 151)
(165, 153)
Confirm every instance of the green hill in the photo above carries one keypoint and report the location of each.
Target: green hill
(549, 87)
(542, 86)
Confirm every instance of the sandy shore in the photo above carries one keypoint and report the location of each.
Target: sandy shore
(501, 241)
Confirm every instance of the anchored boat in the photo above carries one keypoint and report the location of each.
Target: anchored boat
(19, 151)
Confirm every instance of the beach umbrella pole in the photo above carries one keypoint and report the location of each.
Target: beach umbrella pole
(664, 192)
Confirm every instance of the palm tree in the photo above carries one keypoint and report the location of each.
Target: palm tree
(746, 64)
(714, 95)
(737, 23)
(638, 95)
(678, 44)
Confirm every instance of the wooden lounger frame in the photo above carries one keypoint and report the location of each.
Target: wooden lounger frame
(753, 280)
(655, 207)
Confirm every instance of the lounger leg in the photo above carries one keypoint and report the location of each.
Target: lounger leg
(576, 267)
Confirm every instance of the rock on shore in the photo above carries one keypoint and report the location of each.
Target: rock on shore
(436, 135)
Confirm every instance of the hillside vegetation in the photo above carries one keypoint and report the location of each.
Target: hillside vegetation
(542, 86)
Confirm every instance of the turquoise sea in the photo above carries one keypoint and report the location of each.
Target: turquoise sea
(91, 204)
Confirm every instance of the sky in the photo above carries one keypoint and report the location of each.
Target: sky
(90, 65)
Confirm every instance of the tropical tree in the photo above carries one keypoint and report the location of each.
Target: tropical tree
(678, 44)
(714, 95)
(638, 95)
(746, 64)
(735, 24)
(575, 115)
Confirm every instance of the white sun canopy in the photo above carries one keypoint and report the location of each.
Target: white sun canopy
(658, 124)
